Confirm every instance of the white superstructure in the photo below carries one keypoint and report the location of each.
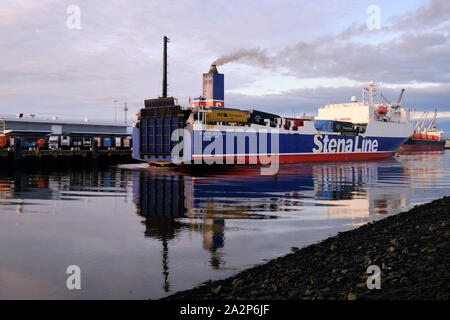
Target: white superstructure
(377, 108)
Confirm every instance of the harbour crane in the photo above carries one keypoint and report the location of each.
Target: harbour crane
(423, 123)
(399, 102)
(432, 121)
(418, 122)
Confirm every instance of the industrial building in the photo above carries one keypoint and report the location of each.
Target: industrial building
(32, 129)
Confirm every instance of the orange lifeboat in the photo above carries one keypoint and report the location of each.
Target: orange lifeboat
(382, 110)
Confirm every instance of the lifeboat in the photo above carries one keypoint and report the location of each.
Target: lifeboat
(382, 110)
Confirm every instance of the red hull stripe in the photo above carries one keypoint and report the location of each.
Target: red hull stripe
(421, 147)
(311, 157)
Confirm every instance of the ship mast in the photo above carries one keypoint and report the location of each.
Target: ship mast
(372, 91)
(164, 84)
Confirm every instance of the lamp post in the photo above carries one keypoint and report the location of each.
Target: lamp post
(115, 111)
(125, 108)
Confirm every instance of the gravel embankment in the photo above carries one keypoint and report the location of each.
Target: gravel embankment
(412, 250)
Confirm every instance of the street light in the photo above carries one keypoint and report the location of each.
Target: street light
(115, 111)
(125, 108)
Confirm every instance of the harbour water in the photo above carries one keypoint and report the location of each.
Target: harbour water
(139, 233)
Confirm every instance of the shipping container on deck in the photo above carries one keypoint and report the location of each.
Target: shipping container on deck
(258, 117)
(342, 126)
(334, 126)
(217, 114)
(324, 125)
(295, 123)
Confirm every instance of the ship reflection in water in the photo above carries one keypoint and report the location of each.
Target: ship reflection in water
(188, 228)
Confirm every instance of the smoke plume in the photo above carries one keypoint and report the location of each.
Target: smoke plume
(256, 56)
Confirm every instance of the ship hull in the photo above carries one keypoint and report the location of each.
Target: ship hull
(215, 147)
(419, 145)
(293, 158)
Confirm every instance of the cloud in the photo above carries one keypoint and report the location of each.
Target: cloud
(308, 100)
(46, 68)
(403, 55)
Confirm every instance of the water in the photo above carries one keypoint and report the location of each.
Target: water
(143, 233)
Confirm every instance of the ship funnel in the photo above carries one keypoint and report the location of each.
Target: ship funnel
(213, 69)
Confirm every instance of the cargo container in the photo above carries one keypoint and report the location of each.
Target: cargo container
(127, 142)
(226, 115)
(99, 141)
(107, 142)
(65, 142)
(258, 117)
(334, 126)
(294, 122)
(87, 142)
(4, 141)
(118, 142)
(77, 142)
(343, 126)
(324, 125)
(53, 142)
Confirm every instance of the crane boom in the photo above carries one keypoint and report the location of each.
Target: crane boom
(418, 122)
(432, 121)
(400, 98)
(424, 119)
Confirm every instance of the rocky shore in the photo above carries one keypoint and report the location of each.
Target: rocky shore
(412, 250)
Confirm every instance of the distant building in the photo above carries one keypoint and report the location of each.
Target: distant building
(39, 128)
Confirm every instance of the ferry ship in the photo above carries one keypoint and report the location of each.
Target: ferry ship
(425, 138)
(208, 133)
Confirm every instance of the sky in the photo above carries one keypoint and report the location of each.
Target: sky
(73, 59)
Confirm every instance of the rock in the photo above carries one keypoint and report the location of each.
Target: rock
(413, 260)
(216, 290)
(236, 282)
(351, 296)
(394, 242)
